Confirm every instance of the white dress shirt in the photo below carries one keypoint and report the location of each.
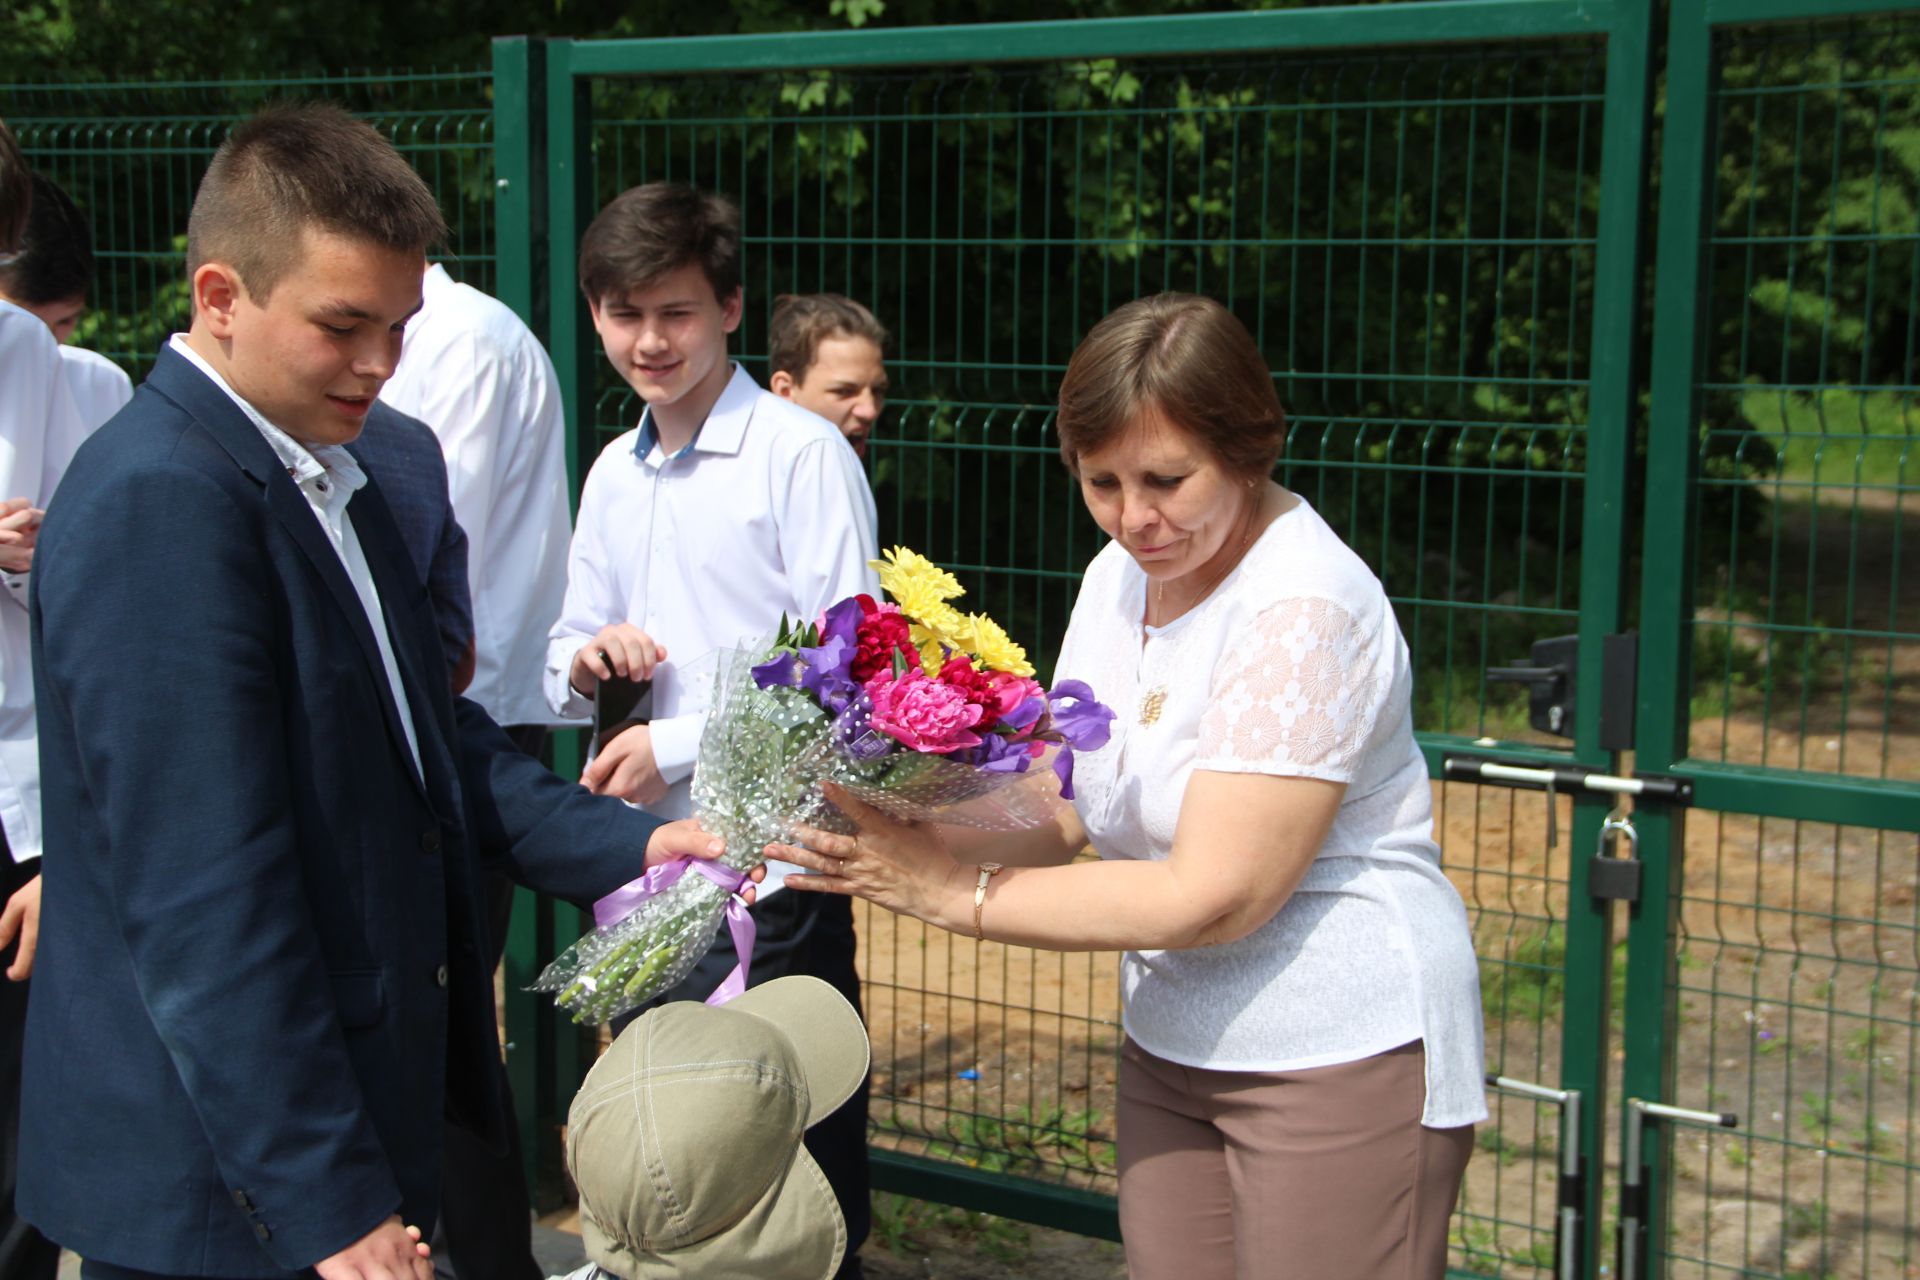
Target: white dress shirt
(100, 388)
(1293, 667)
(766, 513)
(328, 477)
(474, 373)
(39, 430)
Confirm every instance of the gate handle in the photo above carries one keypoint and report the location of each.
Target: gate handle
(1571, 1195)
(1633, 1191)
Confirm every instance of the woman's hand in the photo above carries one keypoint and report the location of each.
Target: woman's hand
(903, 866)
(688, 839)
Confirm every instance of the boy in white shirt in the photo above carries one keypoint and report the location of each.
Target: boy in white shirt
(723, 509)
(53, 279)
(36, 420)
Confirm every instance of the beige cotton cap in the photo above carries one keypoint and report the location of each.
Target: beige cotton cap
(685, 1138)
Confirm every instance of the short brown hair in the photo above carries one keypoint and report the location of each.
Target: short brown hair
(16, 192)
(1190, 359)
(651, 231)
(802, 321)
(296, 165)
(58, 260)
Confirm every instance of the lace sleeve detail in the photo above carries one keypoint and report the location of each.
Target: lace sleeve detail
(1298, 695)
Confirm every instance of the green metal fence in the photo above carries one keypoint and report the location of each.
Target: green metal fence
(131, 156)
(1776, 979)
(1437, 246)
(1444, 222)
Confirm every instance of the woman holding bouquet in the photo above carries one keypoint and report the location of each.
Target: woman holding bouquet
(1302, 1069)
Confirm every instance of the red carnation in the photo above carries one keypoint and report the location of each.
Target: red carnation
(882, 634)
(977, 685)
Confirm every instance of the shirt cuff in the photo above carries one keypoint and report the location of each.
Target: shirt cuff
(676, 745)
(16, 584)
(565, 700)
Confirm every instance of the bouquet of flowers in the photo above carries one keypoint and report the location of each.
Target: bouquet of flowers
(920, 710)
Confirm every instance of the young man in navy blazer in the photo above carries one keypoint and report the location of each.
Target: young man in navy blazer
(262, 980)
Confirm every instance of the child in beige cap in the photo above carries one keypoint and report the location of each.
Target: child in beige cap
(685, 1138)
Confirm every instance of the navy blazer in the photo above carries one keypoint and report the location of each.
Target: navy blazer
(404, 454)
(260, 983)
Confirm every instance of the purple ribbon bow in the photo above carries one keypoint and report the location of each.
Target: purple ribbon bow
(625, 900)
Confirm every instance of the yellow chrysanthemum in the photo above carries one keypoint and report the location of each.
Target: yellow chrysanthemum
(940, 627)
(987, 641)
(908, 576)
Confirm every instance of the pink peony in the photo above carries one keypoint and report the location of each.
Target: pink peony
(1009, 691)
(924, 714)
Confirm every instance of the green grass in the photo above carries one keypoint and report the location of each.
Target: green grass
(1840, 436)
(906, 1226)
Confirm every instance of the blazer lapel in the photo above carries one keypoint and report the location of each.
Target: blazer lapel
(396, 581)
(175, 377)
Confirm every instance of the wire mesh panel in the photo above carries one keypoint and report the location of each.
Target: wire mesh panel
(1794, 996)
(1802, 628)
(131, 156)
(1411, 235)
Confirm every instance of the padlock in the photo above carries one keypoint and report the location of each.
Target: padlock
(1616, 878)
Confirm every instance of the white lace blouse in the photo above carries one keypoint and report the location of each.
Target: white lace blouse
(1295, 667)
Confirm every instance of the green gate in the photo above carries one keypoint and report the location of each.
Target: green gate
(1775, 958)
(1431, 217)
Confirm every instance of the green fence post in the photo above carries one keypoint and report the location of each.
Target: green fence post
(1614, 388)
(570, 195)
(533, 1027)
(1665, 680)
(567, 164)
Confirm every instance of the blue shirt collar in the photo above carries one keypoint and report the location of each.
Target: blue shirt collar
(649, 438)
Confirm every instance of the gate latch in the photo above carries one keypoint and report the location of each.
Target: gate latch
(1616, 878)
(1549, 676)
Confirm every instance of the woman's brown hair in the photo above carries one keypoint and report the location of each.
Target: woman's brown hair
(1190, 359)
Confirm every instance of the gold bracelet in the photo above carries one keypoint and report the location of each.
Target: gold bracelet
(988, 870)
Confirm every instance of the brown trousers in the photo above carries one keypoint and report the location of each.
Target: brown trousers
(1320, 1174)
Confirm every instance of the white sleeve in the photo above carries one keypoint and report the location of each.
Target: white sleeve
(827, 523)
(1299, 696)
(39, 426)
(592, 601)
(464, 401)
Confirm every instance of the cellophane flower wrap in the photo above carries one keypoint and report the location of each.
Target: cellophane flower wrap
(916, 708)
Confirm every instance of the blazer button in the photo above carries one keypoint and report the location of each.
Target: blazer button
(260, 1229)
(430, 840)
(440, 976)
(240, 1198)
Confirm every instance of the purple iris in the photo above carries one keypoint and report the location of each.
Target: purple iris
(823, 670)
(1023, 716)
(1084, 723)
(998, 753)
(782, 670)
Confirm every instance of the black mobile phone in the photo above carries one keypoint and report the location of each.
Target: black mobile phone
(619, 703)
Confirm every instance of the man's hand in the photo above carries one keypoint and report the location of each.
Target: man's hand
(19, 526)
(625, 768)
(688, 839)
(22, 917)
(388, 1252)
(619, 649)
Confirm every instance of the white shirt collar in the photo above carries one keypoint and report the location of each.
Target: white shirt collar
(436, 281)
(328, 468)
(725, 429)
